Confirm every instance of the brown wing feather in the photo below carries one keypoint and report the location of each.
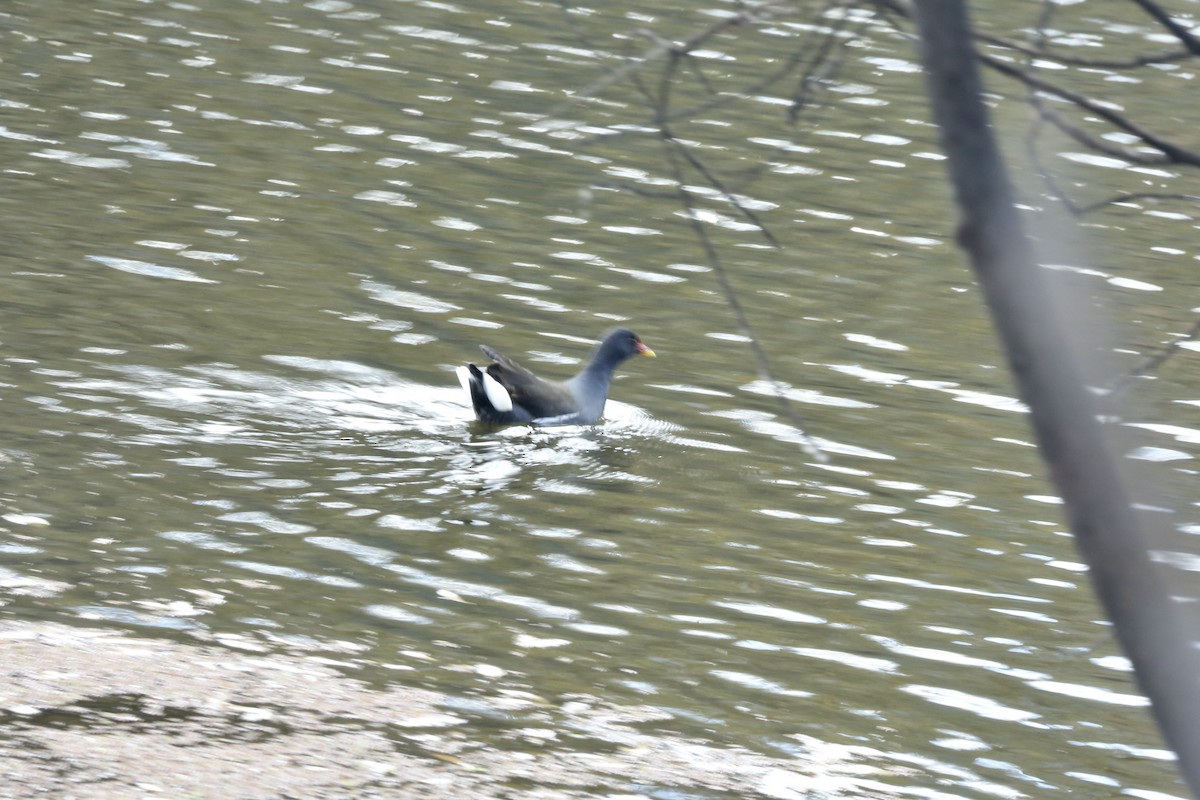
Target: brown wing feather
(541, 398)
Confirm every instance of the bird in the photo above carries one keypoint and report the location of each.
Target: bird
(505, 392)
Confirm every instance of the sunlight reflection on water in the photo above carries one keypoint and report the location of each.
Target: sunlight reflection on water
(232, 413)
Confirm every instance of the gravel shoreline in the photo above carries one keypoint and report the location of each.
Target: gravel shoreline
(96, 714)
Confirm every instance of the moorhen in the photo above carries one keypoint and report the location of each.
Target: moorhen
(507, 392)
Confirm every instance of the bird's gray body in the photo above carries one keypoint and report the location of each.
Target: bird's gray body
(506, 392)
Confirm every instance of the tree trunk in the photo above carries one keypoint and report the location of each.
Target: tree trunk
(1111, 535)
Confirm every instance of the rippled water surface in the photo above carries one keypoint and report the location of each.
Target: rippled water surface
(247, 244)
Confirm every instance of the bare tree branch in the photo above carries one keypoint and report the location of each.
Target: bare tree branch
(1173, 153)
(1093, 143)
(1163, 18)
(1059, 57)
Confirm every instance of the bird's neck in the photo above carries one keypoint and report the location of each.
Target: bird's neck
(590, 386)
(599, 369)
(595, 376)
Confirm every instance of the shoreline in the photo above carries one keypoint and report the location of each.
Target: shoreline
(98, 714)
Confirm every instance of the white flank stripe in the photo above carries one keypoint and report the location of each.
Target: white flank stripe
(496, 393)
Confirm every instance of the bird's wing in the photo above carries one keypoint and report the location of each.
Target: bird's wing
(539, 397)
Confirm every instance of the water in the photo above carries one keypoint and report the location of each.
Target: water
(247, 244)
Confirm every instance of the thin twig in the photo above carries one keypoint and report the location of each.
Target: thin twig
(1046, 175)
(761, 359)
(723, 100)
(822, 65)
(662, 47)
(1127, 197)
(1156, 359)
(676, 151)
